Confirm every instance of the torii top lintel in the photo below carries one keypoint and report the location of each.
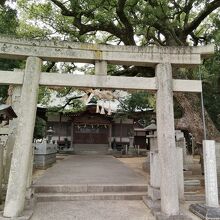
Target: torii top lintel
(12, 48)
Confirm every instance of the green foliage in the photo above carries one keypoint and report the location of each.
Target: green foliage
(8, 25)
(8, 21)
(138, 101)
(131, 22)
(137, 106)
(40, 128)
(75, 106)
(211, 87)
(140, 22)
(44, 95)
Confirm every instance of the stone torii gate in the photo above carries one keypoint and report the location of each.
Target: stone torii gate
(162, 58)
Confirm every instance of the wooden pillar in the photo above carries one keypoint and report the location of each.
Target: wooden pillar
(120, 131)
(110, 137)
(60, 123)
(166, 140)
(15, 197)
(72, 127)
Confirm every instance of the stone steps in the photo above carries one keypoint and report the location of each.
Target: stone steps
(193, 196)
(84, 192)
(192, 185)
(49, 197)
(89, 188)
(104, 192)
(193, 188)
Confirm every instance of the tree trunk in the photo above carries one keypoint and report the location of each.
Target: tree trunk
(192, 118)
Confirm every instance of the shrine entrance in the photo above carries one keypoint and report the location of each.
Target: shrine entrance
(162, 58)
(91, 134)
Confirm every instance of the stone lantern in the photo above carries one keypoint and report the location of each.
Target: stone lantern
(152, 129)
(50, 133)
(131, 143)
(45, 152)
(6, 114)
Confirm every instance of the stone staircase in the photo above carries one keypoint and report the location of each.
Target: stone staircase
(194, 188)
(84, 149)
(89, 192)
(194, 183)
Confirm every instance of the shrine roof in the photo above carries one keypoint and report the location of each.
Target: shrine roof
(7, 112)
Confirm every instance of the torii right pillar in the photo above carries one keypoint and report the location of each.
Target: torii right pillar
(166, 145)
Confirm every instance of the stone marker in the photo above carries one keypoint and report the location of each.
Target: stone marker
(211, 187)
(211, 209)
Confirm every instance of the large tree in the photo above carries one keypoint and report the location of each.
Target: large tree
(8, 25)
(131, 22)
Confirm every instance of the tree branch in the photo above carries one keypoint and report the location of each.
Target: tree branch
(69, 101)
(187, 8)
(64, 10)
(123, 18)
(201, 16)
(109, 26)
(135, 71)
(50, 66)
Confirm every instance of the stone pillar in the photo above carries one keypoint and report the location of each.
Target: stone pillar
(154, 187)
(180, 175)
(153, 199)
(1, 168)
(166, 140)
(15, 197)
(30, 170)
(16, 96)
(101, 68)
(211, 186)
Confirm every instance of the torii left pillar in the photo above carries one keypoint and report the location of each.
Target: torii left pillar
(15, 198)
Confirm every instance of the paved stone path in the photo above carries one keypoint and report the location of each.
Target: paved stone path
(95, 169)
(92, 210)
(90, 169)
